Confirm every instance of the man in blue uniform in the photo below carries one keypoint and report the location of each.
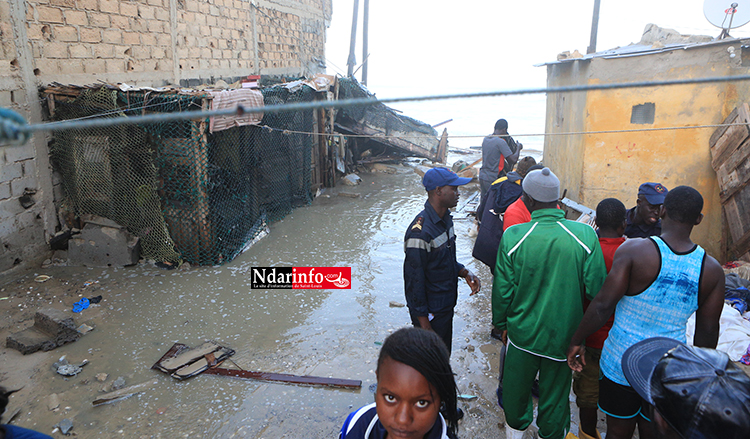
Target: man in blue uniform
(643, 219)
(431, 271)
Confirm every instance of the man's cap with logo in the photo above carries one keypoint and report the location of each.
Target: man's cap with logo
(653, 192)
(698, 391)
(437, 177)
(542, 185)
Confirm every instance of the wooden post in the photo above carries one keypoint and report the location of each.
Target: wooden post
(594, 28)
(352, 59)
(365, 34)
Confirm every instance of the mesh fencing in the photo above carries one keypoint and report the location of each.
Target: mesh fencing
(188, 194)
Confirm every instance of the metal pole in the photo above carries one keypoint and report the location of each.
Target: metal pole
(365, 31)
(594, 28)
(352, 59)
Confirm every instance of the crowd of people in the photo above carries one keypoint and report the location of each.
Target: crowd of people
(603, 309)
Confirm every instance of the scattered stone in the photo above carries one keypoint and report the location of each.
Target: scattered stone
(102, 377)
(185, 266)
(470, 348)
(53, 402)
(385, 169)
(348, 195)
(351, 180)
(119, 383)
(69, 370)
(394, 304)
(65, 426)
(52, 328)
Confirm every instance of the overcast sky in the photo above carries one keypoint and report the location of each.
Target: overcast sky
(447, 46)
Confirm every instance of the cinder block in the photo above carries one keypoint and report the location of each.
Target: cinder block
(101, 246)
(141, 52)
(47, 14)
(29, 341)
(111, 36)
(64, 3)
(33, 31)
(109, 6)
(162, 14)
(95, 66)
(158, 53)
(148, 39)
(18, 186)
(18, 153)
(164, 40)
(65, 33)
(29, 168)
(4, 191)
(102, 51)
(120, 22)
(10, 171)
(100, 20)
(156, 2)
(90, 35)
(76, 18)
(147, 12)
(129, 9)
(131, 38)
(89, 5)
(58, 324)
(47, 66)
(115, 66)
(55, 50)
(73, 66)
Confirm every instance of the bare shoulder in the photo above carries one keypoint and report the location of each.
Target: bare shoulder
(712, 268)
(636, 246)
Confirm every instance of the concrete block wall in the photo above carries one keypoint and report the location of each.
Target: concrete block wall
(139, 42)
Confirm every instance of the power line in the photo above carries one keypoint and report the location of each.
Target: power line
(19, 130)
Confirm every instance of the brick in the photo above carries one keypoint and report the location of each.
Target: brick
(147, 12)
(76, 18)
(19, 153)
(111, 6)
(64, 3)
(162, 14)
(99, 20)
(29, 168)
(95, 66)
(120, 22)
(199, 19)
(122, 52)
(155, 2)
(66, 33)
(4, 191)
(141, 52)
(10, 208)
(79, 51)
(206, 53)
(211, 21)
(158, 53)
(33, 31)
(89, 5)
(112, 36)
(156, 26)
(164, 40)
(115, 66)
(10, 171)
(89, 35)
(6, 98)
(129, 9)
(18, 186)
(226, 54)
(148, 39)
(74, 66)
(47, 66)
(103, 50)
(49, 15)
(131, 38)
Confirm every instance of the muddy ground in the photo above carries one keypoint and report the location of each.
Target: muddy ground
(315, 332)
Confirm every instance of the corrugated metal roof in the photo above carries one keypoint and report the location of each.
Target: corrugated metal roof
(641, 50)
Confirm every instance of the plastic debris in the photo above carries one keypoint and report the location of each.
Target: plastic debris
(65, 426)
(81, 305)
(467, 397)
(42, 278)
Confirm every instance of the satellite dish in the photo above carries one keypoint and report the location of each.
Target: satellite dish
(727, 14)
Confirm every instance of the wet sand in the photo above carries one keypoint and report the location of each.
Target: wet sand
(308, 332)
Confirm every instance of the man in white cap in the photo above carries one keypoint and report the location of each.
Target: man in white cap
(544, 269)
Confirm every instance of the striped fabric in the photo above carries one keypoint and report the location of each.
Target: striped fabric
(232, 99)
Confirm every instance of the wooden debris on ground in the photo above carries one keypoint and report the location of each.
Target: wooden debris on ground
(126, 392)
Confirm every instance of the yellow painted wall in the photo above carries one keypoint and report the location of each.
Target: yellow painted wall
(596, 166)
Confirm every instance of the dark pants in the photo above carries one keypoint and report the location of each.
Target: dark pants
(442, 324)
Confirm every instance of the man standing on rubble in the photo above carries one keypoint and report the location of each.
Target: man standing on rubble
(499, 154)
(431, 270)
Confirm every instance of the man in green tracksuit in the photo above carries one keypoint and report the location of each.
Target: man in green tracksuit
(544, 268)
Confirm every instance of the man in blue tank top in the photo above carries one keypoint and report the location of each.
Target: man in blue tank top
(655, 285)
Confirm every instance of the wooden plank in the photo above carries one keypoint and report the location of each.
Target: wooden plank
(733, 137)
(734, 220)
(721, 130)
(734, 182)
(442, 150)
(742, 246)
(123, 393)
(286, 378)
(188, 356)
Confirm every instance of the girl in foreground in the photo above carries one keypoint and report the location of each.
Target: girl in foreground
(415, 385)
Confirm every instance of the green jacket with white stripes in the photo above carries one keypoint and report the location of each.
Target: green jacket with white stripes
(543, 271)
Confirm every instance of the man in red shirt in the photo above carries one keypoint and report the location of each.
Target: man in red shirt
(610, 218)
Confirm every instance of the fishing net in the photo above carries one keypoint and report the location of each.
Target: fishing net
(188, 194)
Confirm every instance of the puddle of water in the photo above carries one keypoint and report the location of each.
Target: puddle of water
(313, 332)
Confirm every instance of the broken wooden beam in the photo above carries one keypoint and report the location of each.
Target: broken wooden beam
(127, 392)
(286, 378)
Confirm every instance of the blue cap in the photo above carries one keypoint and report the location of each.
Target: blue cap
(653, 192)
(437, 177)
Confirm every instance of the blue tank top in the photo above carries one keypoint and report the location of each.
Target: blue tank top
(662, 310)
